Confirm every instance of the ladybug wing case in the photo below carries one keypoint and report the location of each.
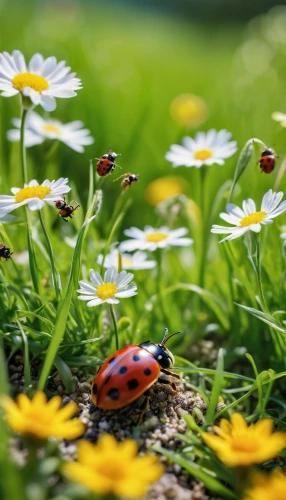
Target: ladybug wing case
(124, 377)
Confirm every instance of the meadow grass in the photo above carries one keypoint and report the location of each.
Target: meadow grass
(132, 65)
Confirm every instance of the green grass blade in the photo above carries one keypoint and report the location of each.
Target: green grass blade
(218, 380)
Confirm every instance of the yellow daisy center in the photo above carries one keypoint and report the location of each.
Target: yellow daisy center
(32, 192)
(203, 154)
(51, 129)
(155, 237)
(106, 290)
(36, 82)
(126, 262)
(254, 218)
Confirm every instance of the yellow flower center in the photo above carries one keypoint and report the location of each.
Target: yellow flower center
(36, 82)
(245, 443)
(155, 237)
(126, 262)
(51, 129)
(203, 154)
(254, 218)
(32, 192)
(106, 290)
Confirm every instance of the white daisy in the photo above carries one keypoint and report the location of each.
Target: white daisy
(139, 260)
(113, 287)
(279, 117)
(34, 195)
(41, 80)
(37, 130)
(247, 218)
(205, 149)
(151, 239)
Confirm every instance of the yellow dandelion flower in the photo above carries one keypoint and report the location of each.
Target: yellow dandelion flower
(266, 487)
(189, 110)
(163, 188)
(237, 444)
(41, 418)
(113, 468)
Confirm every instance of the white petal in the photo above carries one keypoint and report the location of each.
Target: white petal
(248, 206)
(36, 204)
(95, 277)
(36, 64)
(94, 302)
(110, 275)
(48, 103)
(234, 210)
(255, 227)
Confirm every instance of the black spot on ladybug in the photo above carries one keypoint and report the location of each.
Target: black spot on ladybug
(107, 379)
(136, 358)
(113, 394)
(147, 371)
(132, 384)
(101, 162)
(109, 164)
(122, 370)
(111, 360)
(269, 159)
(94, 389)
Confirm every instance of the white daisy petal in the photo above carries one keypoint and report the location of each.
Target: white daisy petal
(95, 277)
(255, 227)
(151, 239)
(86, 287)
(110, 275)
(94, 302)
(248, 206)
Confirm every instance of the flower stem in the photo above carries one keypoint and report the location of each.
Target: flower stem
(51, 255)
(258, 273)
(22, 145)
(204, 239)
(115, 326)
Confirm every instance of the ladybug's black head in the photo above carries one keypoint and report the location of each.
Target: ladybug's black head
(160, 352)
(60, 204)
(267, 152)
(111, 156)
(133, 178)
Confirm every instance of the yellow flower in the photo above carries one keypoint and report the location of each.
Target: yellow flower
(266, 487)
(189, 110)
(113, 468)
(239, 445)
(41, 418)
(163, 188)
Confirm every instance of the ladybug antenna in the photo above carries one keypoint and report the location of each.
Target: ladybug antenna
(163, 342)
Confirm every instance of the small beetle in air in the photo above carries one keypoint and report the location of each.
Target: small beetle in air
(129, 372)
(5, 252)
(66, 210)
(127, 180)
(106, 164)
(267, 160)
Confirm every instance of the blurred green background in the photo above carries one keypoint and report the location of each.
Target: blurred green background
(133, 61)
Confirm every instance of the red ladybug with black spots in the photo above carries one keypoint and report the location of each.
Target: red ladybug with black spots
(129, 372)
(267, 161)
(106, 164)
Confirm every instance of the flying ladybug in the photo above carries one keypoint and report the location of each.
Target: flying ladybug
(130, 371)
(66, 210)
(5, 252)
(106, 164)
(127, 180)
(267, 160)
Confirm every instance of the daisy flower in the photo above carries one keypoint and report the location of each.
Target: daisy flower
(41, 80)
(34, 195)
(110, 289)
(247, 218)
(151, 239)
(279, 117)
(205, 149)
(38, 129)
(135, 262)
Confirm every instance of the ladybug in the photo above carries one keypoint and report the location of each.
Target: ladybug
(66, 210)
(105, 164)
(127, 180)
(267, 161)
(5, 252)
(129, 372)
